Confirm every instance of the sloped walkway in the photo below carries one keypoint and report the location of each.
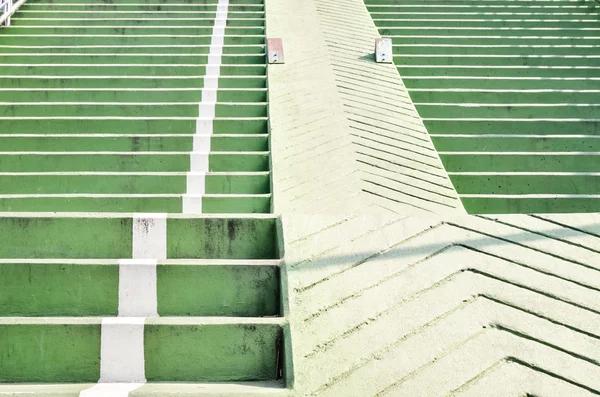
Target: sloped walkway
(385, 299)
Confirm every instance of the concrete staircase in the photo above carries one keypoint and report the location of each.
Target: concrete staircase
(510, 93)
(138, 249)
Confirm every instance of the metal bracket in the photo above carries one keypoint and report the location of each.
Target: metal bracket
(275, 51)
(383, 50)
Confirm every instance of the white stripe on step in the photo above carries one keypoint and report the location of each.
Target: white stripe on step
(137, 288)
(192, 201)
(122, 350)
(149, 236)
(110, 390)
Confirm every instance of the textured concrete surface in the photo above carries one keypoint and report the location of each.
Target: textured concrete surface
(385, 299)
(345, 134)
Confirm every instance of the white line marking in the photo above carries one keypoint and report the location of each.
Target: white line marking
(122, 350)
(195, 182)
(137, 288)
(149, 236)
(199, 161)
(110, 390)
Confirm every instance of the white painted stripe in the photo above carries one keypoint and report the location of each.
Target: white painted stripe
(149, 236)
(191, 204)
(110, 390)
(122, 350)
(199, 160)
(137, 288)
(195, 182)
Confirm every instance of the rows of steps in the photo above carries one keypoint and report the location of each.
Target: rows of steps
(127, 83)
(510, 92)
(139, 255)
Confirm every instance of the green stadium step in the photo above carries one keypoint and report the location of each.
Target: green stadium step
(110, 236)
(59, 287)
(175, 59)
(529, 183)
(138, 125)
(131, 82)
(529, 204)
(235, 11)
(176, 349)
(515, 127)
(518, 143)
(501, 83)
(124, 95)
(520, 162)
(173, 203)
(117, 69)
(120, 109)
(130, 183)
(131, 50)
(130, 143)
(104, 40)
(539, 97)
(130, 161)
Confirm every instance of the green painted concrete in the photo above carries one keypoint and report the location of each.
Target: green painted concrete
(221, 290)
(100, 237)
(68, 289)
(49, 352)
(113, 95)
(211, 352)
(32, 289)
(527, 69)
(43, 82)
(130, 143)
(174, 351)
(216, 204)
(131, 126)
(131, 184)
(48, 237)
(131, 162)
(230, 238)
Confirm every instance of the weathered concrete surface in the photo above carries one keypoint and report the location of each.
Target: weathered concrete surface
(345, 134)
(432, 306)
(383, 298)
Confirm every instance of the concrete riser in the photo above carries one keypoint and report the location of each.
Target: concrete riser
(92, 238)
(68, 289)
(171, 352)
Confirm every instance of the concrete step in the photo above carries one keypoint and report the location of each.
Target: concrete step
(517, 143)
(116, 69)
(232, 38)
(118, 236)
(161, 349)
(120, 109)
(67, 287)
(130, 183)
(133, 125)
(131, 82)
(189, 49)
(236, 389)
(131, 161)
(152, 203)
(92, 59)
(125, 95)
(131, 142)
